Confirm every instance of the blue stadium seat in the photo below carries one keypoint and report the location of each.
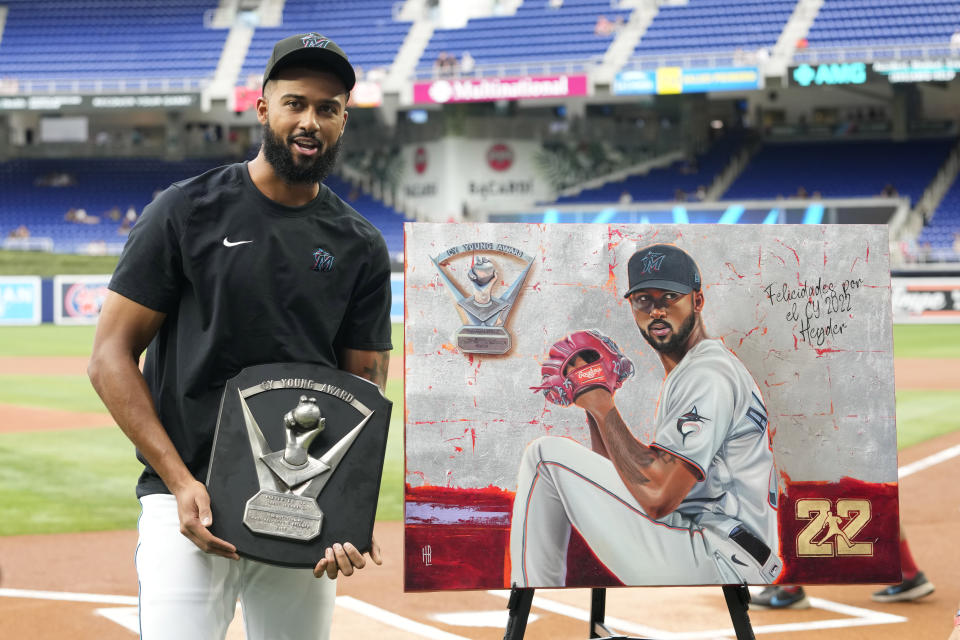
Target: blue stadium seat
(107, 39)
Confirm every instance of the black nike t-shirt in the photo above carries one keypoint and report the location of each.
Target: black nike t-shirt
(245, 281)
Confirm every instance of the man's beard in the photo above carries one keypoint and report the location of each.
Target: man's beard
(677, 339)
(310, 171)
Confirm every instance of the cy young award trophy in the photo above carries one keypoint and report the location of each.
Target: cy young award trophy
(484, 313)
(296, 463)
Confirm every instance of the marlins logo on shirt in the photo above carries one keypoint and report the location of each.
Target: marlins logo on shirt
(322, 261)
(689, 424)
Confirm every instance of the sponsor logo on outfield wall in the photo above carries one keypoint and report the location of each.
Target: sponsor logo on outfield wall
(77, 299)
(20, 300)
(672, 80)
(934, 300)
(491, 89)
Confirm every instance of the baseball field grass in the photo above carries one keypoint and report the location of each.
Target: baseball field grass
(83, 479)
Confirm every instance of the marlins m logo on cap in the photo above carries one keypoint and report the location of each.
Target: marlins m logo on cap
(651, 262)
(315, 40)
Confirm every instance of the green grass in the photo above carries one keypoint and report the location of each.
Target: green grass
(46, 340)
(68, 393)
(926, 341)
(923, 415)
(65, 481)
(47, 265)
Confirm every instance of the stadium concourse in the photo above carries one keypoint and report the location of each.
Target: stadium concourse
(524, 111)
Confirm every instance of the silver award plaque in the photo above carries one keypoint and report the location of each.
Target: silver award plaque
(484, 314)
(293, 441)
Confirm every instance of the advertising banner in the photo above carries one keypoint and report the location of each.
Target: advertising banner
(75, 102)
(597, 405)
(673, 80)
(77, 299)
(922, 300)
(20, 300)
(491, 89)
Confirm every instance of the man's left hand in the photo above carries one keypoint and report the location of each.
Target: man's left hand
(344, 558)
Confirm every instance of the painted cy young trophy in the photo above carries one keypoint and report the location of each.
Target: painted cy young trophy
(296, 463)
(485, 313)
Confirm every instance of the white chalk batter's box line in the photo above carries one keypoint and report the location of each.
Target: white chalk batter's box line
(858, 617)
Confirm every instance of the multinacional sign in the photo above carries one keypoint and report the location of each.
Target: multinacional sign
(20, 300)
(673, 80)
(677, 404)
(837, 73)
(492, 89)
(78, 299)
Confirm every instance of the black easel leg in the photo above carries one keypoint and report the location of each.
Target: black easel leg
(519, 606)
(738, 597)
(598, 611)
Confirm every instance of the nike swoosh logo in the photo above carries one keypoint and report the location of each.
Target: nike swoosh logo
(736, 560)
(227, 243)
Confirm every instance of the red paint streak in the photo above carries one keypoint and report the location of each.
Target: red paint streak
(747, 335)
(795, 343)
(458, 449)
(732, 268)
(473, 438)
(796, 255)
(491, 495)
(820, 352)
(867, 258)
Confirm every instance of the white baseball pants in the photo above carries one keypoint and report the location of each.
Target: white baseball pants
(561, 484)
(186, 594)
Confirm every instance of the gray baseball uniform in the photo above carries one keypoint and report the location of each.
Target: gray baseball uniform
(710, 415)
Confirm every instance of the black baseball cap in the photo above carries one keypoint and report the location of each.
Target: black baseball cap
(311, 50)
(662, 266)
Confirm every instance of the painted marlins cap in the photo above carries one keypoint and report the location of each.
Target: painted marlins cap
(662, 266)
(311, 50)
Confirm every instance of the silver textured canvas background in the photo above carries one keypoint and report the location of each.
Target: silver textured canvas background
(830, 398)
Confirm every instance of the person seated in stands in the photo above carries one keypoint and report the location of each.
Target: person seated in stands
(467, 63)
(680, 195)
(625, 197)
(70, 215)
(442, 65)
(956, 244)
(129, 218)
(113, 213)
(889, 191)
(802, 192)
(603, 27)
(83, 218)
(19, 232)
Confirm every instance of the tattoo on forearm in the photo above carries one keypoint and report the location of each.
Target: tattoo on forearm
(376, 371)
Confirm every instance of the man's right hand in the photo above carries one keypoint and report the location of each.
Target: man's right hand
(193, 508)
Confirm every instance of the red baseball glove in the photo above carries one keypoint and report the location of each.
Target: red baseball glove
(606, 367)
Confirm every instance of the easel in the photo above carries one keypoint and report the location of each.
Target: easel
(737, 597)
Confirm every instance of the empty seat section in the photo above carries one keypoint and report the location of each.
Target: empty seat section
(109, 39)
